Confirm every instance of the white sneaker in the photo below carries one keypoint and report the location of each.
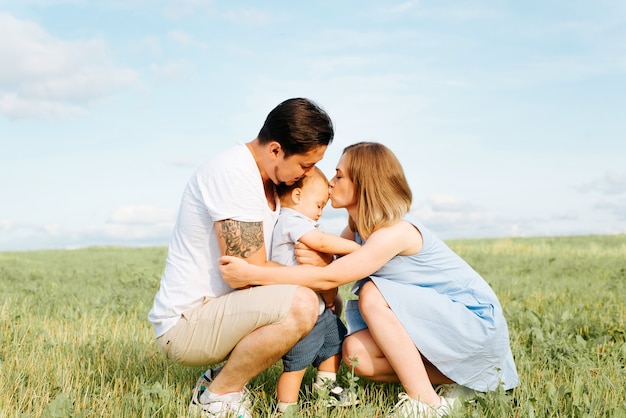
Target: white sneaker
(201, 385)
(408, 407)
(335, 395)
(456, 394)
(230, 405)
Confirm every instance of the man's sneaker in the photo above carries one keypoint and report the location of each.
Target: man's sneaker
(201, 385)
(456, 394)
(230, 405)
(334, 394)
(408, 407)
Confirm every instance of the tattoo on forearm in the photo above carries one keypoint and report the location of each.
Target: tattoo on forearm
(242, 238)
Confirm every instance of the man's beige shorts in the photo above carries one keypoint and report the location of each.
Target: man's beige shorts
(208, 333)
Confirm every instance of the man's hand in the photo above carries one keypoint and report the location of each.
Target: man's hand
(306, 255)
(235, 271)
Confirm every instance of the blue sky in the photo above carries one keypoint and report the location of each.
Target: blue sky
(507, 116)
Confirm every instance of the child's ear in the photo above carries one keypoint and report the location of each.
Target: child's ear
(296, 195)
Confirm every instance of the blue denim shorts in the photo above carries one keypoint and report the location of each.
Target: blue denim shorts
(323, 342)
(354, 320)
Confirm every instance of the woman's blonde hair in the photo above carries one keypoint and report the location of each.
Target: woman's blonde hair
(382, 193)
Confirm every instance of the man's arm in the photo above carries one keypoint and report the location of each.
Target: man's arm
(242, 239)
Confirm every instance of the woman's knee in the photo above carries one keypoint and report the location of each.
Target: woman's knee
(370, 298)
(354, 354)
(349, 351)
(356, 357)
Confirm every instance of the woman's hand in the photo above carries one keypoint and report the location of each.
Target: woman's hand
(306, 255)
(235, 271)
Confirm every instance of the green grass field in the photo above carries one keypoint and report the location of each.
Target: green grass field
(75, 340)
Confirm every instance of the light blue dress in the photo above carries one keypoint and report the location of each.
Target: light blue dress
(451, 313)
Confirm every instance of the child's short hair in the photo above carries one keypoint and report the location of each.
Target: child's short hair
(283, 189)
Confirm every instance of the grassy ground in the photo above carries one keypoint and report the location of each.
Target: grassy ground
(75, 341)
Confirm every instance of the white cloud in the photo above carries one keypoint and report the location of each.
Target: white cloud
(131, 234)
(611, 183)
(403, 7)
(182, 161)
(616, 207)
(34, 53)
(453, 225)
(564, 216)
(142, 214)
(186, 39)
(149, 46)
(49, 77)
(52, 229)
(139, 225)
(18, 107)
(181, 8)
(173, 71)
(181, 37)
(249, 17)
(446, 203)
(82, 85)
(6, 224)
(24, 236)
(457, 13)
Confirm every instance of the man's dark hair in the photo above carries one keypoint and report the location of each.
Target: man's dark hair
(298, 125)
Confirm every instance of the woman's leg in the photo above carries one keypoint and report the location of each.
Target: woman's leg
(374, 365)
(370, 361)
(386, 352)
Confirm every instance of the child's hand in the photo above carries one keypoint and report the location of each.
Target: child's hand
(306, 255)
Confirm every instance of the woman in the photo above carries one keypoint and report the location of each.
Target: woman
(430, 318)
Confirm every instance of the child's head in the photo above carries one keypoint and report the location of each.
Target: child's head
(307, 196)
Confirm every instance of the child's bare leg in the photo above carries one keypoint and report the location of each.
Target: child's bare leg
(331, 364)
(327, 371)
(288, 386)
(326, 381)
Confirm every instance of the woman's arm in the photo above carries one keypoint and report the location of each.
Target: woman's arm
(381, 246)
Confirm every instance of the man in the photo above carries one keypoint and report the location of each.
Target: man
(229, 207)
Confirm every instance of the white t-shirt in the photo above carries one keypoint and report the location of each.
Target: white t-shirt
(228, 186)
